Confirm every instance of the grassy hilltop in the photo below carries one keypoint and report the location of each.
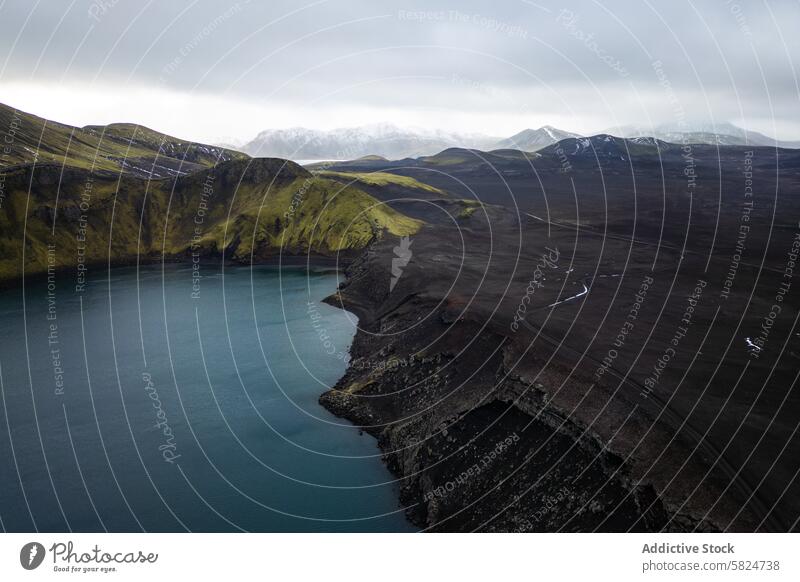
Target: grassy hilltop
(119, 147)
(89, 213)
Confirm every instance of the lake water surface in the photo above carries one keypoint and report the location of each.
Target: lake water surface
(136, 405)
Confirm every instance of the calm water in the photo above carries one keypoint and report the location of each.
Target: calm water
(159, 411)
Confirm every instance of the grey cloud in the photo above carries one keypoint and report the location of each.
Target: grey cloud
(471, 55)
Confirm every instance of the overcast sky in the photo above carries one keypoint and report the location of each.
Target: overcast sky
(219, 70)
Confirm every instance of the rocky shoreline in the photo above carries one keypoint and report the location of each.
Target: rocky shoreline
(476, 444)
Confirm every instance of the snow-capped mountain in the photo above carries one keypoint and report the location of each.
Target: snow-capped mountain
(702, 133)
(607, 147)
(530, 140)
(394, 143)
(348, 143)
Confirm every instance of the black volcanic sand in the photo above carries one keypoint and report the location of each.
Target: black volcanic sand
(493, 426)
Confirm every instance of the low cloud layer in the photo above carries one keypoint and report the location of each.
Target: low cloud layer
(494, 68)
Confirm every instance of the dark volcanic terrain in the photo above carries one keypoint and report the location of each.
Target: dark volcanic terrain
(608, 343)
(600, 335)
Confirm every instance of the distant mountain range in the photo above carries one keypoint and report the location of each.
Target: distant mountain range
(388, 141)
(385, 140)
(703, 133)
(394, 143)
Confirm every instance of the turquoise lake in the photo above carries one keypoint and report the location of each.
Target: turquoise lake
(158, 402)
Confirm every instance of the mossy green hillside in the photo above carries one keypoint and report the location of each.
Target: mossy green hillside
(245, 208)
(452, 157)
(468, 207)
(121, 147)
(383, 179)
